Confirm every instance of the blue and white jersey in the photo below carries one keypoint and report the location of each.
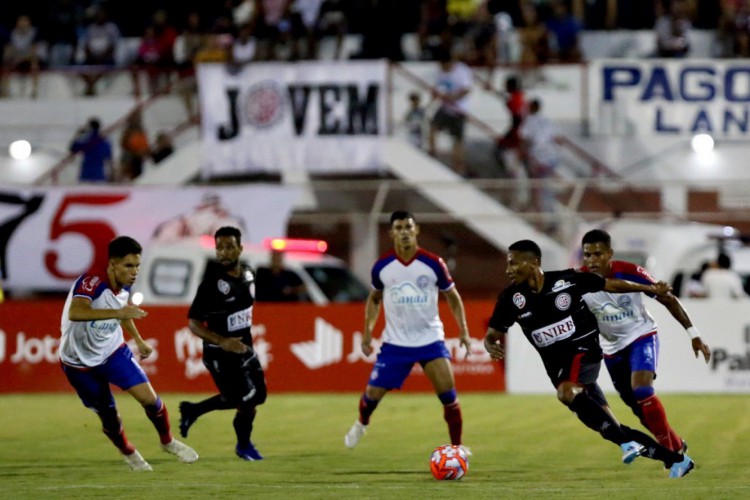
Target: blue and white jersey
(90, 343)
(410, 297)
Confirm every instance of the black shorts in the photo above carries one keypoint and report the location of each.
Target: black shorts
(450, 122)
(578, 365)
(239, 377)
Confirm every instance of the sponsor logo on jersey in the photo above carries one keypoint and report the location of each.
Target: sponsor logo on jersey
(555, 332)
(612, 313)
(90, 283)
(561, 285)
(519, 300)
(407, 294)
(326, 349)
(223, 286)
(563, 301)
(240, 319)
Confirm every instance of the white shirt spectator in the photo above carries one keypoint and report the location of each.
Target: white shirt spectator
(723, 283)
(458, 77)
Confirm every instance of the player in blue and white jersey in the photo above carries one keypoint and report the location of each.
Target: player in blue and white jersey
(94, 355)
(406, 282)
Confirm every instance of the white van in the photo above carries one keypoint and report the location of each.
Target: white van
(671, 251)
(171, 272)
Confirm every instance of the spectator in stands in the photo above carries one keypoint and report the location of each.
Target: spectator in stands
(673, 30)
(162, 147)
(165, 35)
(134, 148)
(721, 281)
(244, 46)
(481, 39)
(515, 101)
(218, 49)
(452, 88)
(187, 45)
(98, 45)
(415, 120)
(279, 30)
(21, 54)
(61, 31)
(322, 18)
(736, 22)
(433, 32)
(534, 40)
(539, 138)
(564, 31)
(96, 165)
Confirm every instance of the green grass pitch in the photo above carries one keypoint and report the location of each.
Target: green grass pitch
(524, 447)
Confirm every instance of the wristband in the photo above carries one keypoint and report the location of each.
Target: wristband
(693, 332)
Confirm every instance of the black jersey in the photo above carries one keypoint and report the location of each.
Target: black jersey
(225, 303)
(554, 319)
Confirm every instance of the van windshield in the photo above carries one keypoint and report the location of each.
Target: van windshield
(338, 284)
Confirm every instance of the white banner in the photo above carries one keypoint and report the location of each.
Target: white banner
(670, 97)
(724, 326)
(48, 236)
(274, 117)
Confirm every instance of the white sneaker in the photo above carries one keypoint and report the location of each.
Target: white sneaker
(466, 450)
(355, 434)
(184, 452)
(136, 462)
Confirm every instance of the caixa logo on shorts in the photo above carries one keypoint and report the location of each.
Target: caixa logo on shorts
(555, 332)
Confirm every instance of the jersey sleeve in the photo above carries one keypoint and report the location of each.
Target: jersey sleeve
(503, 315)
(589, 282)
(89, 286)
(198, 309)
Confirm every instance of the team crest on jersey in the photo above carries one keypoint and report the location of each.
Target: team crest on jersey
(90, 283)
(223, 286)
(519, 300)
(624, 300)
(561, 285)
(423, 282)
(563, 301)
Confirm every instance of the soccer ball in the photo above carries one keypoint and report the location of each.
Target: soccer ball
(449, 462)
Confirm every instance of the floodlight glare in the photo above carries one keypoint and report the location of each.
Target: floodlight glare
(19, 150)
(702, 143)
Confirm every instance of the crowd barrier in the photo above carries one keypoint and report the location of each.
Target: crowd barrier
(303, 348)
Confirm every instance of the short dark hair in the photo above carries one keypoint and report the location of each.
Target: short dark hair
(526, 246)
(95, 124)
(229, 231)
(724, 261)
(123, 246)
(401, 215)
(597, 236)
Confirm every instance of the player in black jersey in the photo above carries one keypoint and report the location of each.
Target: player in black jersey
(221, 314)
(556, 321)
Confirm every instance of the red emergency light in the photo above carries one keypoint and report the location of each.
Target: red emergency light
(295, 245)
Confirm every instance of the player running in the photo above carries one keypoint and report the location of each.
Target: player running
(94, 355)
(555, 320)
(628, 336)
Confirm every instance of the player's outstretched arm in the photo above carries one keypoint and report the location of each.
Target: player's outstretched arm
(675, 308)
(144, 349)
(614, 285)
(493, 343)
(459, 313)
(80, 310)
(372, 311)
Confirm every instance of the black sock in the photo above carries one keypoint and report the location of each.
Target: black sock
(595, 417)
(213, 403)
(243, 425)
(654, 450)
